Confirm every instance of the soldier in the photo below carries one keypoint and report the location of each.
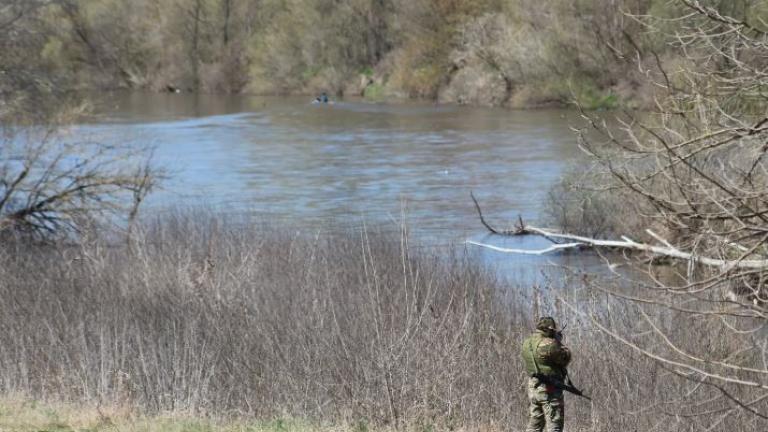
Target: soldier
(545, 359)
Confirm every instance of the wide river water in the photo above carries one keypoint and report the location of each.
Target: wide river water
(321, 166)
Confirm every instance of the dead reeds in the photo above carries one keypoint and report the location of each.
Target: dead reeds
(220, 316)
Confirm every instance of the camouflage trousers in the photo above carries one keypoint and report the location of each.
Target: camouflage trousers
(545, 407)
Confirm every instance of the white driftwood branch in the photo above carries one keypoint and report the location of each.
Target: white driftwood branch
(564, 241)
(575, 241)
(553, 248)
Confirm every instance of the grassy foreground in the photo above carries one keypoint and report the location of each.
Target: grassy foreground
(24, 415)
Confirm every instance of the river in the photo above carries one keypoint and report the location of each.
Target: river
(319, 166)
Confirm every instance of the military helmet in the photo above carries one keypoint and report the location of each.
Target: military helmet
(546, 323)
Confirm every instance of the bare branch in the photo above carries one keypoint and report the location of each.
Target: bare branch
(626, 244)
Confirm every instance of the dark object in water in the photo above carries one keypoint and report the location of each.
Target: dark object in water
(323, 98)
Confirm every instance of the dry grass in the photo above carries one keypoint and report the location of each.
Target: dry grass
(210, 316)
(225, 320)
(22, 415)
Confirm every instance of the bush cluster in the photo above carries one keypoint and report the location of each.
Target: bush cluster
(222, 316)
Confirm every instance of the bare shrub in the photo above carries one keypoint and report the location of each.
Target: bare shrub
(52, 183)
(698, 163)
(225, 316)
(693, 172)
(583, 203)
(208, 315)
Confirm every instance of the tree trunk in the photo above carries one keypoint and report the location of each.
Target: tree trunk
(227, 14)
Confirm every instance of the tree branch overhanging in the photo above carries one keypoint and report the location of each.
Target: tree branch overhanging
(565, 241)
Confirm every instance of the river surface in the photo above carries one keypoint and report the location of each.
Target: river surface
(320, 166)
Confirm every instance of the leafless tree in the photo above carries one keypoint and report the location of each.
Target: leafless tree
(695, 172)
(52, 183)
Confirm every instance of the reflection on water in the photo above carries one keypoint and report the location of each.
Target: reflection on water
(310, 164)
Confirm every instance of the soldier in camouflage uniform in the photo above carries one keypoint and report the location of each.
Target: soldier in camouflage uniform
(545, 355)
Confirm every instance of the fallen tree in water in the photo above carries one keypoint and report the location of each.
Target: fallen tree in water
(565, 241)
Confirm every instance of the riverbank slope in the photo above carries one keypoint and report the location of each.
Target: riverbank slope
(519, 53)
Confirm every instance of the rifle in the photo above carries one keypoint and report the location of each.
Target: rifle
(559, 334)
(567, 386)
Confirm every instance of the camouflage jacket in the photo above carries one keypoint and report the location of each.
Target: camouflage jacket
(545, 355)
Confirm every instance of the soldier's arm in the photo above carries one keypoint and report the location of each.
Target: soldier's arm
(554, 353)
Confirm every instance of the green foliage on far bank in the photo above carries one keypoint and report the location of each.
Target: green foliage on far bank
(374, 91)
(490, 52)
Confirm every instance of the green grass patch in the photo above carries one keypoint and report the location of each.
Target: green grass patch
(19, 415)
(603, 102)
(590, 97)
(310, 72)
(374, 92)
(367, 71)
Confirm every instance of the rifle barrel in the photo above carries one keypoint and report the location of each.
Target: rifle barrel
(554, 383)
